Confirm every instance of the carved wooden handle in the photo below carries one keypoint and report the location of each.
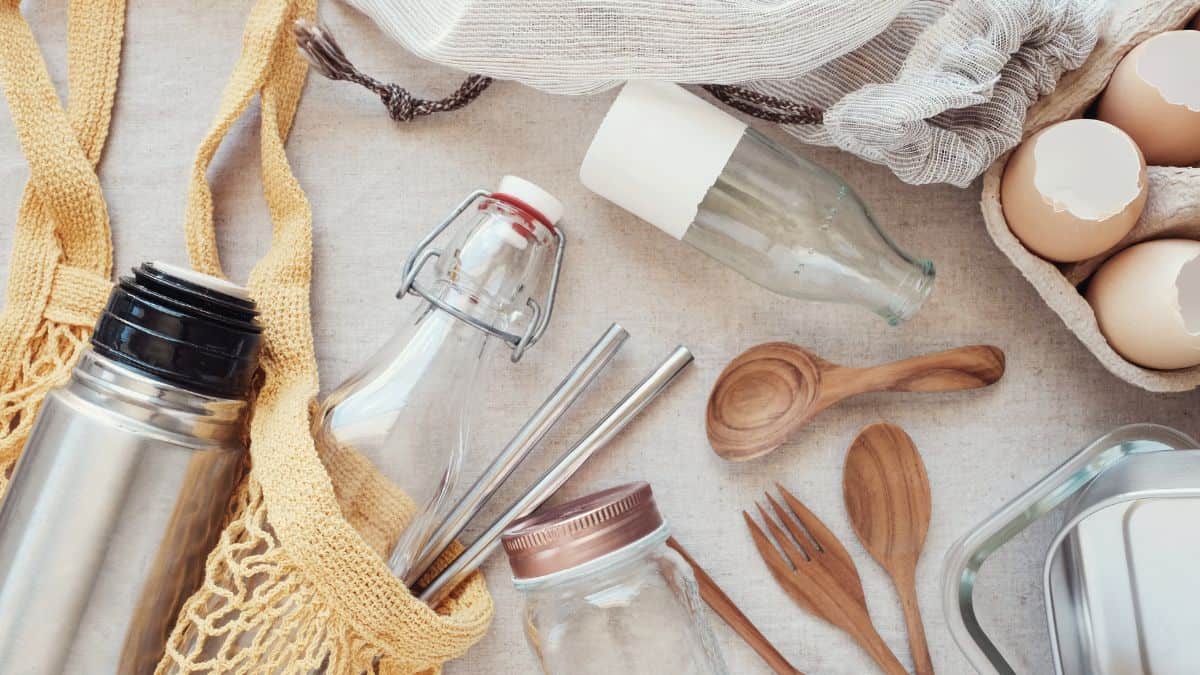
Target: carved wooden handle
(917, 644)
(954, 369)
(863, 631)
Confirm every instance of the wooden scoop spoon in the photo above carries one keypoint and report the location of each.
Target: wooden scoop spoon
(887, 496)
(771, 390)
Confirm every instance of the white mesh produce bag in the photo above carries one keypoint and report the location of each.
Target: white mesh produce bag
(934, 89)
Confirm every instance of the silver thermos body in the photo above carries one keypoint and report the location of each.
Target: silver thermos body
(125, 482)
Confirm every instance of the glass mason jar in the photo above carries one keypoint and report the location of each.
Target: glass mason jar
(603, 592)
(702, 176)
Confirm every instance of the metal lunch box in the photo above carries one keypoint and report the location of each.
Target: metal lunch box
(1120, 579)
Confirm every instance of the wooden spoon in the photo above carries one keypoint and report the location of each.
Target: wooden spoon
(771, 390)
(887, 495)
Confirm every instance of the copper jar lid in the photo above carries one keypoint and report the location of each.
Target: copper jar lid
(581, 530)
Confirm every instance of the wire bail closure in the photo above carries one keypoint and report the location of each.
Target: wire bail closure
(537, 322)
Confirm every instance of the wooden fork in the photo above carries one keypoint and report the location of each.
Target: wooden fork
(816, 571)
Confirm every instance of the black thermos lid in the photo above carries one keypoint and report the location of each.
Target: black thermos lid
(191, 330)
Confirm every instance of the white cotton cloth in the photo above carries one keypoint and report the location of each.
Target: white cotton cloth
(934, 89)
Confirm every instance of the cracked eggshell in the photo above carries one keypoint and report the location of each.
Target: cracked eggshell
(1147, 303)
(1154, 96)
(1074, 189)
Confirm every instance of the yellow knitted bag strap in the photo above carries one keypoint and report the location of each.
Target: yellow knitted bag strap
(293, 586)
(62, 251)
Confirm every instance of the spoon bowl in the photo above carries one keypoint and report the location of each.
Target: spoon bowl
(761, 397)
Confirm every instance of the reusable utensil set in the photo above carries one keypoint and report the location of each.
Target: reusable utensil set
(887, 494)
(760, 400)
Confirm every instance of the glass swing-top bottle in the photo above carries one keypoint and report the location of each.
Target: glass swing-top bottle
(408, 409)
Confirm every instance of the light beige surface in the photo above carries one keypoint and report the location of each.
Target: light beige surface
(376, 187)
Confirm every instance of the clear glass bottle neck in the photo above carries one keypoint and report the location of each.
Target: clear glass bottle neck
(486, 309)
(495, 261)
(790, 226)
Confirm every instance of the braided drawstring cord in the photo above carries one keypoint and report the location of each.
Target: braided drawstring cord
(765, 106)
(327, 58)
(321, 50)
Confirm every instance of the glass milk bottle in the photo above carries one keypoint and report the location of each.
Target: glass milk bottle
(408, 409)
(603, 592)
(701, 175)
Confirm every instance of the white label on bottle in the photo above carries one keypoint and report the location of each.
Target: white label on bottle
(658, 151)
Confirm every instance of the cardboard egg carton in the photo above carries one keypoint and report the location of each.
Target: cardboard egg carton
(1172, 208)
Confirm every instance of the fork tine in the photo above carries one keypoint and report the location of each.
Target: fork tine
(798, 533)
(769, 553)
(780, 569)
(781, 539)
(821, 536)
(837, 559)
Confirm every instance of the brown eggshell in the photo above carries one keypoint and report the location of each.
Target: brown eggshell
(1141, 298)
(1154, 96)
(1074, 189)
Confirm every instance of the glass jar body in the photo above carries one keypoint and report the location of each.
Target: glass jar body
(636, 611)
(792, 227)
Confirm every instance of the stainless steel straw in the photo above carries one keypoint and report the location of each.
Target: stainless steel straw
(566, 466)
(526, 439)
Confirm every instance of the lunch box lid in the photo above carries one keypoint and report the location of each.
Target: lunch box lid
(1120, 580)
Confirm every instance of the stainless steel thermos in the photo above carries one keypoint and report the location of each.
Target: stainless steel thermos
(125, 481)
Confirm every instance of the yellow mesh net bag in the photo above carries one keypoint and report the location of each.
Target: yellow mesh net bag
(62, 255)
(297, 582)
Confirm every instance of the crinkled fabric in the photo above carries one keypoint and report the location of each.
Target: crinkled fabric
(934, 89)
